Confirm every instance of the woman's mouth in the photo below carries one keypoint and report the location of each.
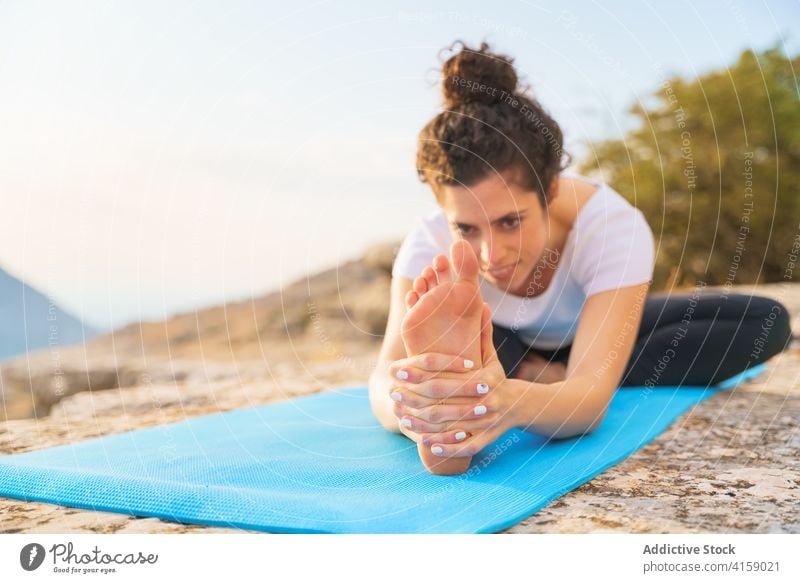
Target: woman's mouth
(502, 273)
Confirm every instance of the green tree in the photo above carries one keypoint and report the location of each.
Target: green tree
(714, 165)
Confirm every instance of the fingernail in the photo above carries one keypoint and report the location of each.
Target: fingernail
(405, 422)
(397, 395)
(480, 409)
(402, 375)
(468, 363)
(461, 435)
(483, 388)
(437, 450)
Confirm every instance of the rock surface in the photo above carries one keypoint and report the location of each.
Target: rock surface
(324, 318)
(729, 465)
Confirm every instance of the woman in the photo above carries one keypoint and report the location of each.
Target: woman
(546, 311)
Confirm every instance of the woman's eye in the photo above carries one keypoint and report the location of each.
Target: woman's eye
(511, 223)
(464, 230)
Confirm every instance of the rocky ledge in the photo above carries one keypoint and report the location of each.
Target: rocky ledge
(729, 465)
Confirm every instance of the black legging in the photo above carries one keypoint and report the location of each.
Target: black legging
(694, 338)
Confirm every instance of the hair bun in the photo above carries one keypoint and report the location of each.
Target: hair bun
(477, 75)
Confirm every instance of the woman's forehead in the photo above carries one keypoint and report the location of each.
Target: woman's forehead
(486, 201)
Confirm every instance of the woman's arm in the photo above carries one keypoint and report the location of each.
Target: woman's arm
(603, 344)
(380, 382)
(607, 332)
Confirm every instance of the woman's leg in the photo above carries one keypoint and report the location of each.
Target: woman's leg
(693, 338)
(704, 337)
(510, 349)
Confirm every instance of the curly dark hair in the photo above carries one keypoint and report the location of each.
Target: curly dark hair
(489, 124)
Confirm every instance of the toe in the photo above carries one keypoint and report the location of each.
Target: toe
(420, 285)
(430, 277)
(441, 266)
(464, 261)
(411, 298)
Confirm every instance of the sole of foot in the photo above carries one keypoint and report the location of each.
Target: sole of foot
(444, 316)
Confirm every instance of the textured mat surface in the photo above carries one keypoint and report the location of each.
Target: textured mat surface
(322, 463)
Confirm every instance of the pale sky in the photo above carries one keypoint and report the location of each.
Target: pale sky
(156, 157)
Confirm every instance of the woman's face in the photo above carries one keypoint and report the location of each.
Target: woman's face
(506, 226)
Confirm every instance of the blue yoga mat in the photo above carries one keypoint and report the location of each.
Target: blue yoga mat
(322, 463)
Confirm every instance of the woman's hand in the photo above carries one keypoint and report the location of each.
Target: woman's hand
(454, 408)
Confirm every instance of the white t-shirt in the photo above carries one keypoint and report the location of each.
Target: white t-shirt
(609, 246)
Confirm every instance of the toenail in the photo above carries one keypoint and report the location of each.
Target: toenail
(483, 388)
(402, 375)
(397, 396)
(437, 450)
(468, 363)
(480, 409)
(461, 435)
(405, 422)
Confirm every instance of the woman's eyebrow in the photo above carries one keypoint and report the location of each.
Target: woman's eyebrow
(511, 215)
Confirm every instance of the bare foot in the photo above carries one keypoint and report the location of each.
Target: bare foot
(537, 369)
(444, 315)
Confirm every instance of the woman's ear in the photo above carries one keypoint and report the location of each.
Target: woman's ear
(551, 195)
(553, 190)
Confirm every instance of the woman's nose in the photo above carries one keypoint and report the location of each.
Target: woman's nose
(488, 252)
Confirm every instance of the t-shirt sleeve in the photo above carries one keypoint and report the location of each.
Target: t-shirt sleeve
(619, 251)
(416, 251)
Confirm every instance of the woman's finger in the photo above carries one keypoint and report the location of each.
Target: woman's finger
(452, 436)
(408, 432)
(419, 368)
(473, 425)
(404, 398)
(442, 413)
(407, 402)
(412, 423)
(426, 393)
(469, 447)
